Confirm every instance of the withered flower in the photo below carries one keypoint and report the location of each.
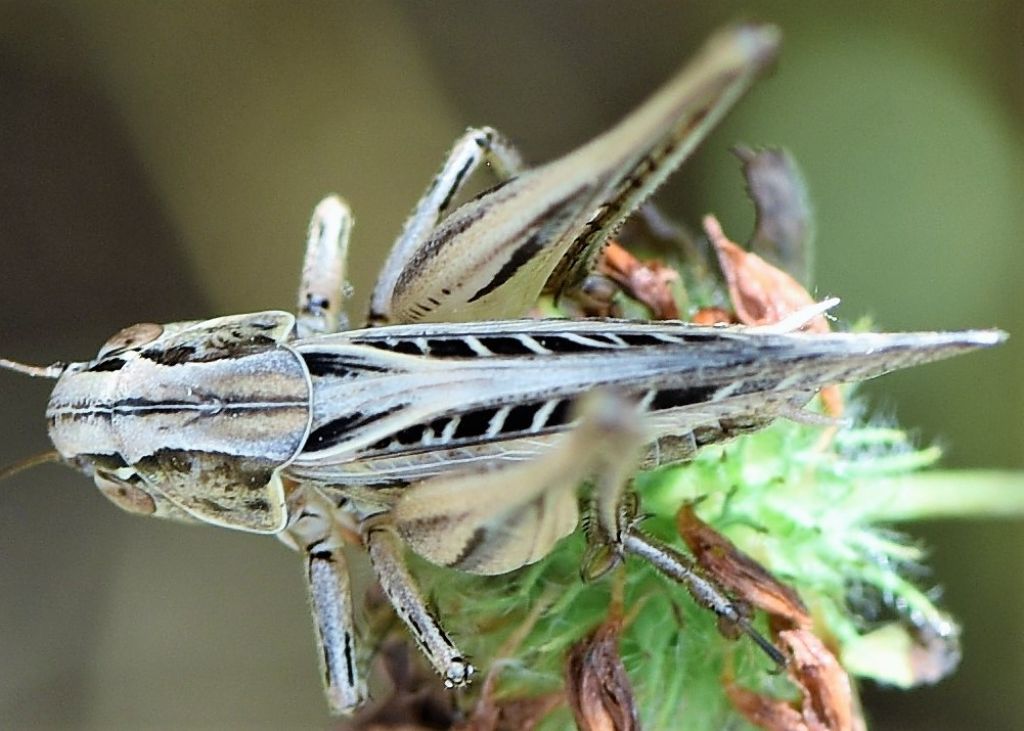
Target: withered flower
(648, 282)
(737, 573)
(597, 686)
(762, 294)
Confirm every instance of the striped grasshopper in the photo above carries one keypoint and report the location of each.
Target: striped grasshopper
(448, 426)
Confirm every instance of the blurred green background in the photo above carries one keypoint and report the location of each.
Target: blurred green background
(158, 161)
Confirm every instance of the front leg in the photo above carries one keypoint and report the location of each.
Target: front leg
(317, 530)
(683, 570)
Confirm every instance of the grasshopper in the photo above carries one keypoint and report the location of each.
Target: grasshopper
(448, 426)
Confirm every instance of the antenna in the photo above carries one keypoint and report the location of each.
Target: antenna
(35, 460)
(50, 371)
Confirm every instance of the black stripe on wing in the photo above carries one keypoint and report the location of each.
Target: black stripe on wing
(523, 344)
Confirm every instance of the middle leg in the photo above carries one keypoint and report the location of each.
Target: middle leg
(492, 522)
(401, 590)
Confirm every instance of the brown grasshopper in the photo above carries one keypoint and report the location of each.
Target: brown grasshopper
(449, 428)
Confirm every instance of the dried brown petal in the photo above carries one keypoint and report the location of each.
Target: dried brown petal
(767, 713)
(828, 696)
(826, 703)
(761, 293)
(597, 686)
(713, 316)
(737, 573)
(649, 283)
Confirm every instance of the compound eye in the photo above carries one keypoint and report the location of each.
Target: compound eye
(125, 495)
(131, 337)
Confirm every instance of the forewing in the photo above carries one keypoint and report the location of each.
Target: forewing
(404, 402)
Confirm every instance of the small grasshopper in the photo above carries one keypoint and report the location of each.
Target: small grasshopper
(450, 427)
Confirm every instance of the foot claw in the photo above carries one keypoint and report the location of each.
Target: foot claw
(458, 674)
(601, 559)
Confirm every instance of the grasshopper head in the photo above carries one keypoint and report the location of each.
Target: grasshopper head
(150, 385)
(79, 414)
(188, 420)
(80, 385)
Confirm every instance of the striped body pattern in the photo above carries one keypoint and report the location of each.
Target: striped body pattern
(397, 404)
(449, 425)
(368, 417)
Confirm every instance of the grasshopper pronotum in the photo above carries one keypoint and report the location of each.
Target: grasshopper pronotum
(449, 428)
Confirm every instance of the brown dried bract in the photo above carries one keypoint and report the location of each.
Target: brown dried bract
(649, 283)
(826, 702)
(770, 714)
(597, 686)
(713, 316)
(510, 714)
(827, 694)
(763, 294)
(737, 573)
